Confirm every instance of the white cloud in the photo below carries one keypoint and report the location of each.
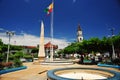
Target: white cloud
(31, 40)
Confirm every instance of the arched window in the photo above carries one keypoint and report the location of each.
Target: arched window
(80, 39)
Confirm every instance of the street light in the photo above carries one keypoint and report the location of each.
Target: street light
(10, 34)
(113, 50)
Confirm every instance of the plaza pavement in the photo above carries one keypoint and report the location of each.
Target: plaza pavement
(38, 72)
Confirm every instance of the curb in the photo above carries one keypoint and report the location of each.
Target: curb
(111, 66)
(12, 70)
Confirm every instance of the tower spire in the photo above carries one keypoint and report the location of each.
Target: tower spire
(79, 28)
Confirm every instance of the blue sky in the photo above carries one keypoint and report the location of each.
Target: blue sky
(96, 17)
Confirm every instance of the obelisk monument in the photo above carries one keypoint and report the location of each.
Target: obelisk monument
(41, 54)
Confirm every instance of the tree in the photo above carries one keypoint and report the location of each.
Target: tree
(1, 44)
(116, 43)
(71, 48)
(105, 45)
(18, 55)
(15, 47)
(60, 52)
(94, 45)
(4, 48)
(34, 50)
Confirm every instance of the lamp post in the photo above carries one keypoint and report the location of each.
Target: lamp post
(113, 50)
(9, 33)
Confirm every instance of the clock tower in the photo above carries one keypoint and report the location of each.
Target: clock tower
(79, 34)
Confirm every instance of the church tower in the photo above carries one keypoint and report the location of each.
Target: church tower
(79, 34)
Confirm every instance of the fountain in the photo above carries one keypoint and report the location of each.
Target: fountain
(77, 73)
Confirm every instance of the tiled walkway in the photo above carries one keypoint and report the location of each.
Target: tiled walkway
(37, 72)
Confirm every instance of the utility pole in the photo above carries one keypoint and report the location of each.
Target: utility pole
(10, 34)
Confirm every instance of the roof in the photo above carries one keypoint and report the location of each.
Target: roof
(48, 45)
(30, 47)
(79, 28)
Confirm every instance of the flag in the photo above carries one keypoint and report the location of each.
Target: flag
(49, 9)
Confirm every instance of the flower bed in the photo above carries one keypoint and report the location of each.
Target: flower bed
(12, 69)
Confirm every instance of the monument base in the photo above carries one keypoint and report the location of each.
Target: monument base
(42, 58)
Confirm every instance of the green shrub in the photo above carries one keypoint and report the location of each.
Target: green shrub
(86, 58)
(28, 58)
(11, 57)
(2, 57)
(36, 55)
(18, 55)
(116, 61)
(17, 63)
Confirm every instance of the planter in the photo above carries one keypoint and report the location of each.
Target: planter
(12, 69)
(107, 65)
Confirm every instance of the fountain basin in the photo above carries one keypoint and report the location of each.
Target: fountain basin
(57, 62)
(82, 73)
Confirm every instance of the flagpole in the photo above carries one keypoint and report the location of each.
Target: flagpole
(52, 19)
